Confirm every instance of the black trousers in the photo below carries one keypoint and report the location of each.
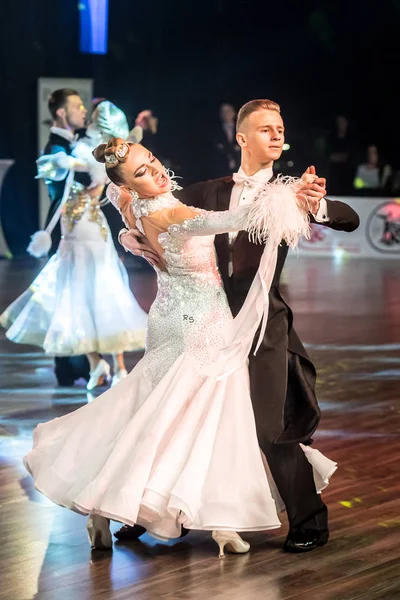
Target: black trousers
(70, 368)
(294, 479)
(277, 392)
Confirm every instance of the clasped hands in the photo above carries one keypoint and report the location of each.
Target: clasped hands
(311, 191)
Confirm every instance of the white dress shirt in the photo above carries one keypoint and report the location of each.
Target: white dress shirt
(245, 190)
(64, 133)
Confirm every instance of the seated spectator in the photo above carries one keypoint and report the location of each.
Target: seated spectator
(373, 175)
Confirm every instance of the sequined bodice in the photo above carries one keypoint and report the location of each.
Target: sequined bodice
(80, 203)
(143, 207)
(190, 311)
(189, 256)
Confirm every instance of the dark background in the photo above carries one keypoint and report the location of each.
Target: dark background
(182, 59)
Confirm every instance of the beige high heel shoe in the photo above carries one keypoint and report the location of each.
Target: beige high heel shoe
(232, 541)
(99, 533)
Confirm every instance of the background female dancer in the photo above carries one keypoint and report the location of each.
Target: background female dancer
(81, 303)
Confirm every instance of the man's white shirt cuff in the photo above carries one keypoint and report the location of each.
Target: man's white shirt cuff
(322, 214)
(124, 230)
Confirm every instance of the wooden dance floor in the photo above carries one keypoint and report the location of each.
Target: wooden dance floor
(348, 313)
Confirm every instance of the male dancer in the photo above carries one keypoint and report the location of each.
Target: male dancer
(69, 114)
(282, 377)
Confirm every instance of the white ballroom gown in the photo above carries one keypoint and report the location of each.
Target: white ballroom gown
(81, 301)
(175, 442)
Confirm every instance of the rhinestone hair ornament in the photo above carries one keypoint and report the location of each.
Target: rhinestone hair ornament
(113, 159)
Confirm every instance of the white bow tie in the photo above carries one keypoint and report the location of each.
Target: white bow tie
(248, 181)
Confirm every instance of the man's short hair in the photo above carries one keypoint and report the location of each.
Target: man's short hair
(253, 106)
(58, 99)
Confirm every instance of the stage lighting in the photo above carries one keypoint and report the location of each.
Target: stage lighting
(93, 26)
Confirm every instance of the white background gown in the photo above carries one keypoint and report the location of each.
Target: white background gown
(81, 301)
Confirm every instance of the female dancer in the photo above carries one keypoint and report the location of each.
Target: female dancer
(81, 303)
(175, 441)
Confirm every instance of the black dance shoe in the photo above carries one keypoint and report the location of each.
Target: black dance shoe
(304, 541)
(129, 534)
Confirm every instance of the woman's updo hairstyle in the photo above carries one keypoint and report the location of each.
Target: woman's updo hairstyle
(113, 154)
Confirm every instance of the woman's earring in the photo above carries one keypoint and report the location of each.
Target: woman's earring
(135, 195)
